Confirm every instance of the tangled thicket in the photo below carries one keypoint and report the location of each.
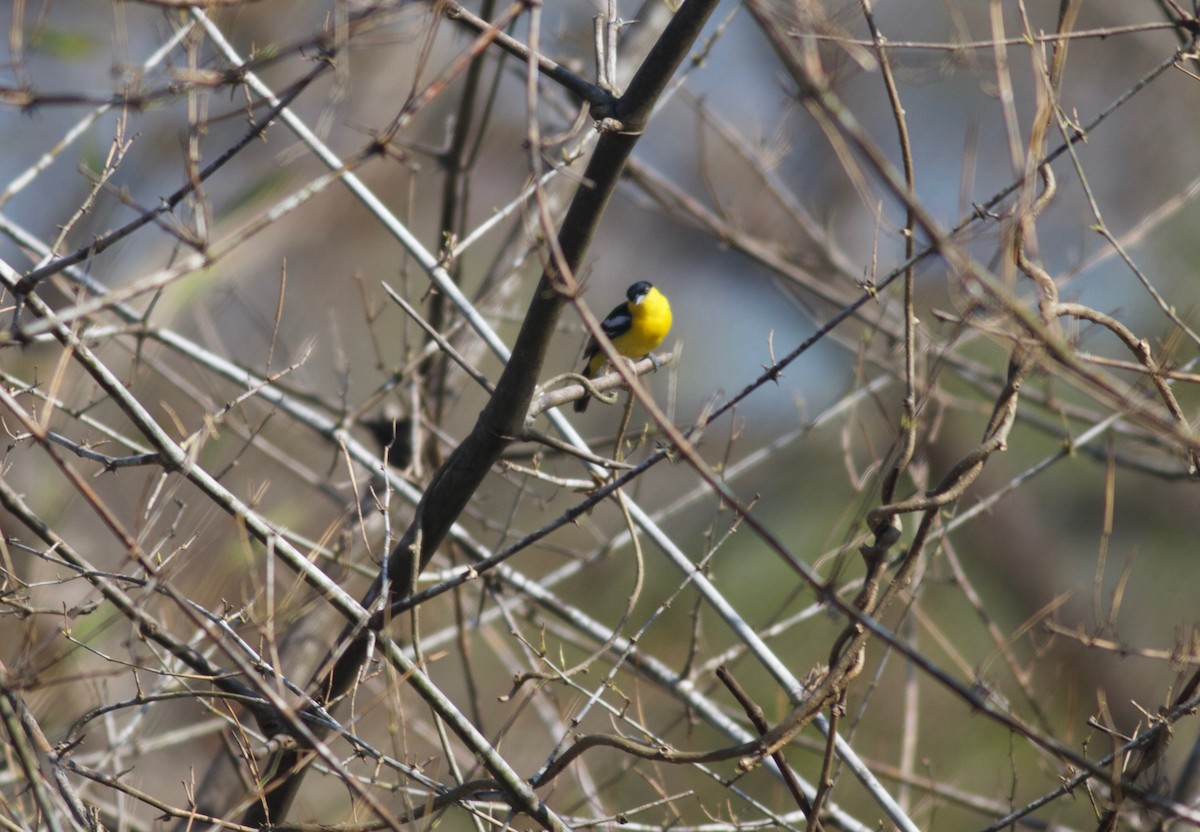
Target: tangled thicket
(297, 529)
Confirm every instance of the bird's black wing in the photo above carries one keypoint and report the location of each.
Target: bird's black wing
(619, 320)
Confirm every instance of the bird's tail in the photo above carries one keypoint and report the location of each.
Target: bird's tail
(592, 362)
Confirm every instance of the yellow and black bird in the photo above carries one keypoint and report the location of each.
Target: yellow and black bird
(635, 328)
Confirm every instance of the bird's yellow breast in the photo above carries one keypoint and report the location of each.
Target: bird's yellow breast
(651, 321)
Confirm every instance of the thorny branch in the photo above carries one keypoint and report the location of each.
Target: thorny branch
(97, 384)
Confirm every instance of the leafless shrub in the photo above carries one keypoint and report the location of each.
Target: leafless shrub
(296, 528)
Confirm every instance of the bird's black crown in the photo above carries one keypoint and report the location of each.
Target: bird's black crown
(639, 290)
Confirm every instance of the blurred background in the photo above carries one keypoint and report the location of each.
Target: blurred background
(255, 328)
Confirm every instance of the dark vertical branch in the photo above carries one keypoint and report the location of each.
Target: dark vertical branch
(455, 161)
